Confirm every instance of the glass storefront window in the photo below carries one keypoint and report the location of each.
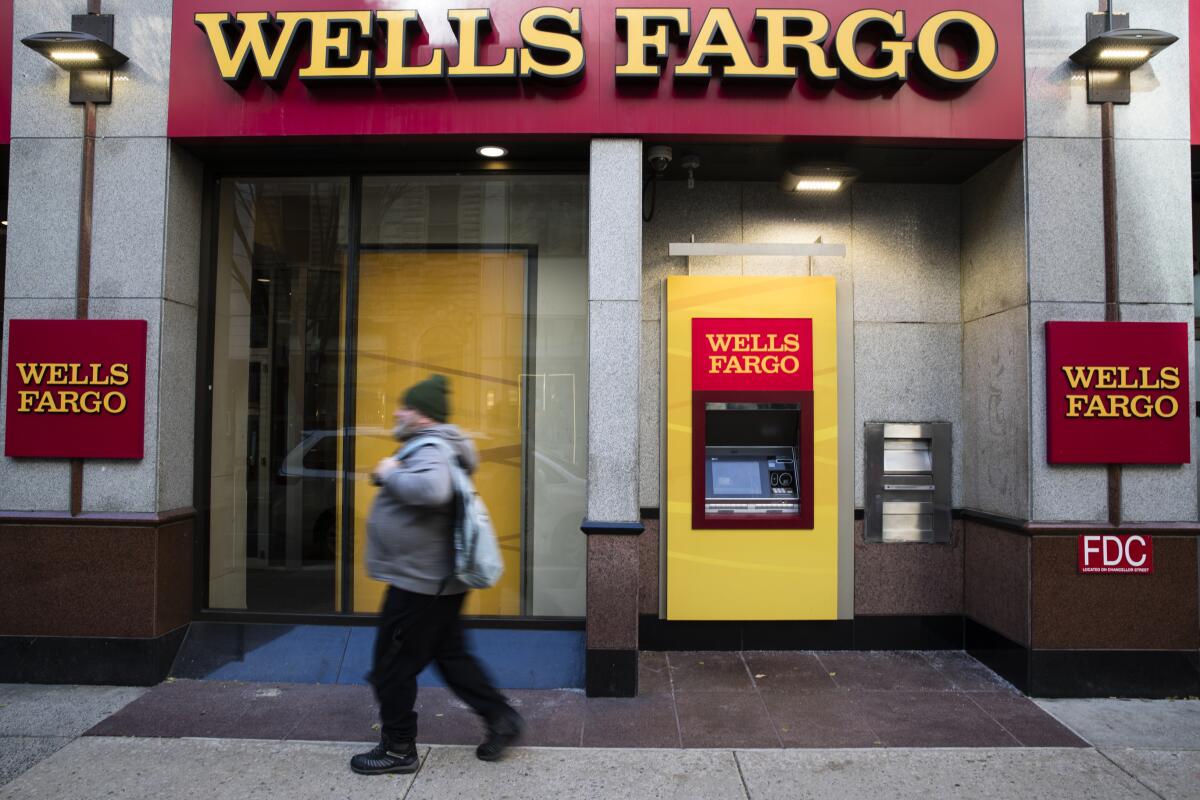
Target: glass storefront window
(482, 279)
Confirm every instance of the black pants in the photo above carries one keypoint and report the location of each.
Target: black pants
(415, 629)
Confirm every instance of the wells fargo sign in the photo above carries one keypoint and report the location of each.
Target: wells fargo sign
(772, 355)
(926, 69)
(75, 388)
(347, 45)
(1117, 392)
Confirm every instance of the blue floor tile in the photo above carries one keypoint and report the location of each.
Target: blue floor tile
(516, 659)
(282, 653)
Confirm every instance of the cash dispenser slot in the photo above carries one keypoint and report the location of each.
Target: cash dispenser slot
(907, 482)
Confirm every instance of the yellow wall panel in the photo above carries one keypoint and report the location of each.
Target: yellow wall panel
(751, 574)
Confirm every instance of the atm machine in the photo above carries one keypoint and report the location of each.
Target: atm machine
(751, 466)
(750, 528)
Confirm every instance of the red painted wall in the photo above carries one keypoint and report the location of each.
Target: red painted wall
(203, 106)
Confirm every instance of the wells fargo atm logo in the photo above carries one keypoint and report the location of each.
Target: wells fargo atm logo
(61, 388)
(1117, 392)
(870, 45)
(76, 388)
(745, 354)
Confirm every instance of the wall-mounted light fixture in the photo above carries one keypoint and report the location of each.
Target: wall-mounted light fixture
(1113, 51)
(818, 178)
(492, 151)
(86, 52)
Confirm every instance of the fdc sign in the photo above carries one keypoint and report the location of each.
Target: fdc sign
(1128, 554)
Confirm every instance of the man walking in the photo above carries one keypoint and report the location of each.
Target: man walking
(410, 546)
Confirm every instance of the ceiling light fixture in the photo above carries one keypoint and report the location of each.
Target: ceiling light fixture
(492, 151)
(818, 178)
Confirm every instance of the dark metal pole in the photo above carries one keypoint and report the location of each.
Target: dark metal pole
(83, 270)
(1112, 275)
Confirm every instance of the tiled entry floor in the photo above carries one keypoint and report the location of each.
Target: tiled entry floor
(752, 699)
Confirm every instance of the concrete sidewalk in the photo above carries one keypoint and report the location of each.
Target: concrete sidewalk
(1139, 749)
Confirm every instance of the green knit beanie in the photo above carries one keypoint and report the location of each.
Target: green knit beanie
(429, 397)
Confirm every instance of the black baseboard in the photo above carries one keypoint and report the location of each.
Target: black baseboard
(612, 673)
(1150, 674)
(1087, 673)
(1001, 655)
(861, 633)
(89, 661)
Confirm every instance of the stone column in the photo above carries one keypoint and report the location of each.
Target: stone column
(614, 328)
(119, 574)
(1060, 632)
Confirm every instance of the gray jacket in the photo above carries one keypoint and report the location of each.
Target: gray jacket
(410, 538)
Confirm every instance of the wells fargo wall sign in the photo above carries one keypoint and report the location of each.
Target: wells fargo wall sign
(830, 67)
(75, 388)
(1117, 392)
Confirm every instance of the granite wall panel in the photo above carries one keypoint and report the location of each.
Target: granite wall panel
(1115, 612)
(996, 580)
(908, 578)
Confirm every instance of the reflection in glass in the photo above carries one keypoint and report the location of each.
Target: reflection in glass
(487, 280)
(277, 392)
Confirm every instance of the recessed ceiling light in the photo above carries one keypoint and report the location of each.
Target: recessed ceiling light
(492, 151)
(818, 178)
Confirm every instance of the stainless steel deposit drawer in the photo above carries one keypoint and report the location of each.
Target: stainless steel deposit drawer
(907, 482)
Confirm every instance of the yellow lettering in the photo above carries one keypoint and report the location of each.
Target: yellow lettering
(718, 341)
(1106, 377)
(730, 50)
(986, 49)
(846, 42)
(1169, 377)
(779, 44)
(470, 25)
(118, 375)
(1140, 406)
(332, 44)
(1166, 406)
(1079, 377)
(89, 402)
(647, 37)
(267, 59)
(32, 373)
(540, 39)
(402, 28)
(25, 401)
(114, 402)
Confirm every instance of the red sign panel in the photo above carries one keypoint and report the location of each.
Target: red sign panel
(1117, 393)
(1126, 554)
(76, 388)
(752, 355)
(926, 70)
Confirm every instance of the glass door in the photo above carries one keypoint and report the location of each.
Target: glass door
(459, 312)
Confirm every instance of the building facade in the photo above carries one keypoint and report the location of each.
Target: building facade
(917, 193)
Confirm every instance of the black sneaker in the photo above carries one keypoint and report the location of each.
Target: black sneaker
(501, 734)
(387, 757)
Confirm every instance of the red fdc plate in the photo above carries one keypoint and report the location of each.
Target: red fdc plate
(84, 342)
(202, 105)
(1116, 553)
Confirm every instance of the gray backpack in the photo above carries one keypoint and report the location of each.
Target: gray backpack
(477, 559)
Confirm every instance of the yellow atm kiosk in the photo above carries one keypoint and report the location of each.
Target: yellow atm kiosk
(751, 520)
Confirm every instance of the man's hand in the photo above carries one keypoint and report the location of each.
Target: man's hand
(385, 467)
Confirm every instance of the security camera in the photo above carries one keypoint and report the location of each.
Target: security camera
(660, 157)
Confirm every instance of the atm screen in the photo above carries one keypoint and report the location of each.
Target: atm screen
(737, 478)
